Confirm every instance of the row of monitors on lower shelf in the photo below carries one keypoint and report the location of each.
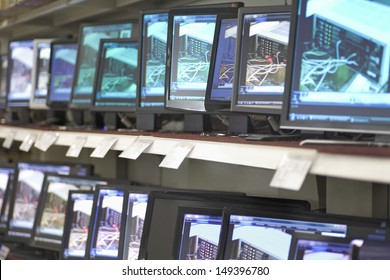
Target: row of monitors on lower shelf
(86, 217)
(315, 59)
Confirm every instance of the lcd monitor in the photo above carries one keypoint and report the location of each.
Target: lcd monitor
(338, 79)
(27, 188)
(264, 235)
(40, 78)
(3, 80)
(6, 181)
(62, 67)
(77, 220)
(50, 218)
(262, 44)
(87, 58)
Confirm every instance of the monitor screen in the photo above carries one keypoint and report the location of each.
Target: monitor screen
(3, 80)
(50, 217)
(263, 39)
(153, 53)
(87, 57)
(26, 194)
(6, 181)
(117, 77)
(77, 220)
(251, 235)
(62, 66)
(20, 73)
(339, 76)
(42, 50)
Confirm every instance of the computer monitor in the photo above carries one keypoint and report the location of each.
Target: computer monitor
(265, 235)
(338, 78)
(3, 80)
(87, 57)
(263, 40)
(6, 181)
(77, 220)
(50, 217)
(40, 78)
(62, 68)
(27, 188)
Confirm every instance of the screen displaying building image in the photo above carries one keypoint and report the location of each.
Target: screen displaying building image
(135, 223)
(81, 216)
(6, 180)
(222, 83)
(117, 81)
(263, 58)
(20, 64)
(321, 250)
(154, 43)
(62, 71)
(200, 237)
(192, 42)
(90, 37)
(43, 60)
(3, 79)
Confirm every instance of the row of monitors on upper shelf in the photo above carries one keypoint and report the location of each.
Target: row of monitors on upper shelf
(319, 66)
(58, 207)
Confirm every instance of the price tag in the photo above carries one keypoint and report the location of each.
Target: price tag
(27, 143)
(4, 251)
(9, 140)
(46, 140)
(292, 171)
(102, 149)
(75, 149)
(136, 148)
(177, 155)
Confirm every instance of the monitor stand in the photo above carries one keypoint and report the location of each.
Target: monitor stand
(18, 116)
(81, 119)
(239, 124)
(146, 121)
(196, 122)
(110, 121)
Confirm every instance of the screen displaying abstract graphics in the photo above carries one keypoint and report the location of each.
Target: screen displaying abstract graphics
(200, 237)
(90, 37)
(222, 83)
(20, 73)
(117, 80)
(81, 205)
(153, 59)
(42, 82)
(263, 58)
(107, 237)
(192, 42)
(321, 250)
(3, 80)
(62, 72)
(6, 181)
(258, 238)
(136, 212)
(341, 66)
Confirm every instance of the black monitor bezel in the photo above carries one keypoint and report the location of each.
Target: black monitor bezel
(98, 79)
(58, 105)
(7, 196)
(252, 109)
(310, 125)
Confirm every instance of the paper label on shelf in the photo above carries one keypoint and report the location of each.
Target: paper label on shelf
(292, 171)
(28, 141)
(102, 149)
(46, 140)
(9, 140)
(4, 251)
(136, 148)
(177, 155)
(76, 147)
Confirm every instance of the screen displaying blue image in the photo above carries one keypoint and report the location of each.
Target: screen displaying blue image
(321, 250)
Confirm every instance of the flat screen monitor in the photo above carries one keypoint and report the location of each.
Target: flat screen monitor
(3, 80)
(20, 72)
(77, 220)
(6, 181)
(62, 67)
(50, 218)
(27, 188)
(87, 57)
(263, 41)
(338, 79)
(262, 235)
(117, 76)
(42, 50)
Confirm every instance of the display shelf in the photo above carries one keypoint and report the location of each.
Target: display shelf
(370, 166)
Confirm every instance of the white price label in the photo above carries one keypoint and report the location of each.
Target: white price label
(4, 251)
(292, 171)
(102, 149)
(27, 143)
(177, 155)
(76, 147)
(46, 140)
(9, 140)
(136, 148)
